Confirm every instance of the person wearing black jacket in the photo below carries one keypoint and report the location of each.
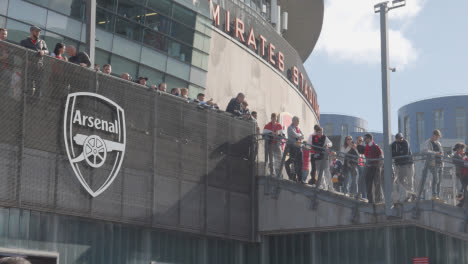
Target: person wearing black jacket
(404, 170)
(80, 58)
(35, 43)
(351, 160)
(234, 106)
(458, 160)
(361, 167)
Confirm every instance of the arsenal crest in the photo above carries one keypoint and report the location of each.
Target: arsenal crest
(95, 136)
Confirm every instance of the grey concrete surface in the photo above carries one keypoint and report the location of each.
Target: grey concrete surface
(288, 207)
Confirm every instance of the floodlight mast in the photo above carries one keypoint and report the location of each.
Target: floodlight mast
(382, 9)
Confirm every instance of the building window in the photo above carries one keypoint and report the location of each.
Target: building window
(420, 127)
(328, 129)
(399, 125)
(344, 130)
(460, 122)
(406, 128)
(359, 129)
(439, 120)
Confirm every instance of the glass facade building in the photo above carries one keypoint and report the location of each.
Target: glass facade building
(448, 114)
(159, 39)
(336, 124)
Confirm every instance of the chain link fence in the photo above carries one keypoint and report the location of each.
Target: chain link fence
(185, 167)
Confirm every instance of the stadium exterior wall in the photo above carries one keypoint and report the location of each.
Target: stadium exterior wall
(266, 90)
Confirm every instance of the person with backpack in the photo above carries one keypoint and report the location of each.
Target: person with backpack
(336, 170)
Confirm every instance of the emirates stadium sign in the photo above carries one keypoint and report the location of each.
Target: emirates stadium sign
(95, 137)
(266, 50)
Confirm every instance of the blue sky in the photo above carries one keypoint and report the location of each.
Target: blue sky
(428, 45)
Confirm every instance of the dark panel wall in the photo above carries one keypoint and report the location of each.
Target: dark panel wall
(185, 168)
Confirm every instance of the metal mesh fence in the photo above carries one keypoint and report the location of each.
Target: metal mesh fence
(185, 167)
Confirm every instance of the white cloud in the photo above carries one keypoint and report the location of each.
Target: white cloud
(351, 32)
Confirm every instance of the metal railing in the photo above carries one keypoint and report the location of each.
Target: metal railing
(416, 177)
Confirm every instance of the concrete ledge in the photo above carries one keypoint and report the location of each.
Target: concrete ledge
(288, 207)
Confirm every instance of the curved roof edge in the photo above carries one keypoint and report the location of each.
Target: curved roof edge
(448, 96)
(339, 114)
(305, 21)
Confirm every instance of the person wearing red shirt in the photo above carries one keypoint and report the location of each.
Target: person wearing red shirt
(273, 154)
(373, 181)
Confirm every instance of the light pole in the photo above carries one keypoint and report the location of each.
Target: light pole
(91, 29)
(383, 9)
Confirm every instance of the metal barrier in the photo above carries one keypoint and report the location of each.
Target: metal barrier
(185, 167)
(412, 182)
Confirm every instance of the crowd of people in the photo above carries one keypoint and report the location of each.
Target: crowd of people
(33, 42)
(357, 169)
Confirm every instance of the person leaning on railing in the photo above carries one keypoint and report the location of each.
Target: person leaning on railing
(207, 104)
(34, 42)
(162, 87)
(234, 106)
(461, 171)
(107, 69)
(321, 145)
(293, 147)
(81, 58)
(59, 52)
(313, 169)
(126, 76)
(350, 167)
(373, 155)
(361, 167)
(434, 163)
(184, 93)
(404, 170)
(272, 132)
